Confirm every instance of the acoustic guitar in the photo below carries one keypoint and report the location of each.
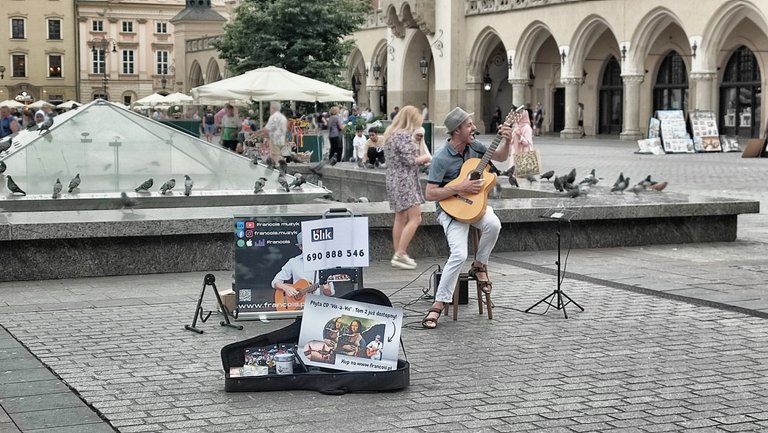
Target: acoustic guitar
(469, 208)
(284, 302)
(370, 351)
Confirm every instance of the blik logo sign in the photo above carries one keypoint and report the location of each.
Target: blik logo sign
(322, 234)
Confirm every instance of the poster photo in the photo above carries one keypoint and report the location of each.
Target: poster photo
(654, 128)
(730, 144)
(650, 146)
(271, 276)
(706, 137)
(348, 335)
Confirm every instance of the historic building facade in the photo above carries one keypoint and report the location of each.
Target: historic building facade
(621, 59)
(38, 50)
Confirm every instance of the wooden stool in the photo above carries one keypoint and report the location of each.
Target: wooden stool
(474, 240)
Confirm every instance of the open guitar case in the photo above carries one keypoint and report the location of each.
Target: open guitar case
(324, 380)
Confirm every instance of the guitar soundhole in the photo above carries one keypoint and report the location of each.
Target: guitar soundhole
(474, 175)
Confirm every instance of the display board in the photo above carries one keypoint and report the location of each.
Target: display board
(674, 135)
(706, 137)
(650, 146)
(729, 144)
(349, 335)
(270, 248)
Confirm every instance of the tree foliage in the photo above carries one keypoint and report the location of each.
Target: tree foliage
(302, 36)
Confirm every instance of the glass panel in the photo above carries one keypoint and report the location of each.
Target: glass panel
(19, 65)
(116, 150)
(54, 29)
(17, 28)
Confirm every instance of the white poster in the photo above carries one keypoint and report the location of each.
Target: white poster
(335, 242)
(348, 335)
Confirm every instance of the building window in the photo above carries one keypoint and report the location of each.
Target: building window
(671, 89)
(54, 29)
(740, 95)
(97, 61)
(161, 27)
(128, 62)
(127, 27)
(54, 66)
(18, 28)
(19, 62)
(127, 100)
(161, 63)
(97, 26)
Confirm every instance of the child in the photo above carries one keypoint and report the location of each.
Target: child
(359, 144)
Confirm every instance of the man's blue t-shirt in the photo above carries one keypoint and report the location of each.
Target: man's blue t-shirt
(446, 163)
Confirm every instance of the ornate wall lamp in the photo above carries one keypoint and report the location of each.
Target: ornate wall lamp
(623, 53)
(487, 81)
(510, 62)
(376, 71)
(694, 47)
(562, 57)
(2, 72)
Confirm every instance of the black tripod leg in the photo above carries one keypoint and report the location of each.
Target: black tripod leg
(544, 299)
(573, 302)
(197, 312)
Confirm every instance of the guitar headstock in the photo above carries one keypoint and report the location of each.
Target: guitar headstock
(514, 115)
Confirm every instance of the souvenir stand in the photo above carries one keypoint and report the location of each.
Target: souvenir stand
(704, 130)
(308, 141)
(674, 135)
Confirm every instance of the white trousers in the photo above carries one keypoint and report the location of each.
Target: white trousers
(457, 234)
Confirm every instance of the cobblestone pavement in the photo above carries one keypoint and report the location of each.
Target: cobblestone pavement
(651, 352)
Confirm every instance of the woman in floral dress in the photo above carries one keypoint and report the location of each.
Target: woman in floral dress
(403, 188)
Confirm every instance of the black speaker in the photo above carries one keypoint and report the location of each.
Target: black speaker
(463, 286)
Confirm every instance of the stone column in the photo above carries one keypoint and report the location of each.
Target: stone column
(374, 96)
(473, 102)
(519, 87)
(572, 85)
(703, 86)
(631, 97)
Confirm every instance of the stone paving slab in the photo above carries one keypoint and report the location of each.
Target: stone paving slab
(643, 362)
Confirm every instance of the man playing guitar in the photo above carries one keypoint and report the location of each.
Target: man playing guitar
(294, 270)
(446, 166)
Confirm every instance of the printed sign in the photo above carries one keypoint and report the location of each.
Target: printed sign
(706, 138)
(348, 335)
(270, 272)
(335, 242)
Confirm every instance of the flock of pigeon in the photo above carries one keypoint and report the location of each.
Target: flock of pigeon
(282, 170)
(567, 187)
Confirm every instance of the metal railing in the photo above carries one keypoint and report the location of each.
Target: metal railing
(477, 7)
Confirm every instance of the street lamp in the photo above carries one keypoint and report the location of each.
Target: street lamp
(376, 71)
(103, 44)
(2, 72)
(487, 82)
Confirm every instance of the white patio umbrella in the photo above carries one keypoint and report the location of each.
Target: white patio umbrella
(153, 99)
(179, 98)
(10, 103)
(38, 104)
(69, 104)
(270, 84)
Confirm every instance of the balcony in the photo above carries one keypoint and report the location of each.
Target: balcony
(201, 44)
(479, 7)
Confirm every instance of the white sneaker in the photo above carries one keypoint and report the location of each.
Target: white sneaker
(403, 262)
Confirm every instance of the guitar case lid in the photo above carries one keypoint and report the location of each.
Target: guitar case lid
(326, 381)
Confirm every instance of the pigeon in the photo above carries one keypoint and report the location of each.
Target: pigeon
(74, 183)
(144, 187)
(128, 203)
(167, 186)
(57, 187)
(318, 168)
(548, 175)
(531, 179)
(621, 186)
(589, 179)
(45, 126)
(3, 167)
(363, 200)
(576, 191)
(659, 186)
(298, 181)
(270, 163)
(558, 183)
(283, 166)
(637, 189)
(188, 183)
(333, 160)
(5, 145)
(312, 178)
(513, 181)
(571, 177)
(13, 188)
(283, 182)
(619, 180)
(259, 185)
(646, 182)
(361, 163)
(509, 172)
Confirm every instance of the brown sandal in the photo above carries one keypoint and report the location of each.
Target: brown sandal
(484, 286)
(431, 322)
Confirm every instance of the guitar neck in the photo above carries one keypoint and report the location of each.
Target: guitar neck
(509, 121)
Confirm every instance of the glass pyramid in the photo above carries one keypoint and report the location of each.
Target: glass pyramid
(115, 150)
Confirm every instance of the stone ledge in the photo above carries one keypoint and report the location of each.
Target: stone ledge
(46, 245)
